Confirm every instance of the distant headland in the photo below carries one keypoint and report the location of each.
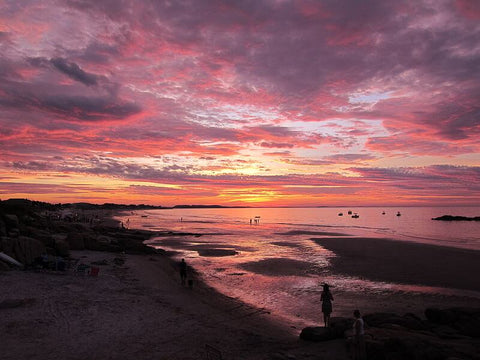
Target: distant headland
(39, 205)
(456, 218)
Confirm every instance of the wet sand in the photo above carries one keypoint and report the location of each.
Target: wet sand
(404, 262)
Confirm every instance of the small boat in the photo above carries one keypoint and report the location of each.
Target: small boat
(340, 214)
(355, 216)
(349, 212)
(383, 212)
(398, 213)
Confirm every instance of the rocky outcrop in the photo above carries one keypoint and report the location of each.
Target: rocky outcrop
(408, 321)
(457, 218)
(25, 235)
(464, 321)
(444, 334)
(3, 228)
(62, 248)
(337, 329)
(11, 221)
(23, 249)
(76, 240)
(316, 333)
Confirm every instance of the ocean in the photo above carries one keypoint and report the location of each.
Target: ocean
(265, 256)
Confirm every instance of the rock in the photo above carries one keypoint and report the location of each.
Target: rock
(26, 249)
(457, 218)
(408, 321)
(439, 316)
(315, 333)
(7, 245)
(394, 344)
(338, 325)
(76, 241)
(464, 320)
(375, 349)
(4, 266)
(43, 235)
(11, 221)
(14, 233)
(62, 248)
(3, 228)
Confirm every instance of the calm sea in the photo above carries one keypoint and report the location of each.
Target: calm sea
(259, 234)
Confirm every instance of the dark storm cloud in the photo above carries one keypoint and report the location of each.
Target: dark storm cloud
(88, 108)
(74, 71)
(60, 100)
(69, 107)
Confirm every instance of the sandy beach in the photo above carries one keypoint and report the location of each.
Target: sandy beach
(140, 310)
(136, 307)
(136, 310)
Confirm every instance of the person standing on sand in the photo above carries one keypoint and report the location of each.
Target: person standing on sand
(358, 339)
(183, 271)
(326, 299)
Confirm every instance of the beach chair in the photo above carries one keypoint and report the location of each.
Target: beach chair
(212, 353)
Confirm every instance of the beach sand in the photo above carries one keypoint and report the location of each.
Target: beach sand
(136, 311)
(139, 310)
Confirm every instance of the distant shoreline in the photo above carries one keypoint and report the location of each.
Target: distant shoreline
(113, 206)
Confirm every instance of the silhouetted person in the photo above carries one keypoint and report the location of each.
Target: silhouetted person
(358, 337)
(183, 271)
(326, 299)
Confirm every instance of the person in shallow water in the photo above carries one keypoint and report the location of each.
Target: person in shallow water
(326, 299)
(183, 271)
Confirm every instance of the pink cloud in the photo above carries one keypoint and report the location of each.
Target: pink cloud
(218, 80)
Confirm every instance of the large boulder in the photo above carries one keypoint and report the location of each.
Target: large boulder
(438, 316)
(4, 266)
(11, 221)
(405, 344)
(13, 233)
(339, 325)
(3, 228)
(62, 248)
(7, 245)
(27, 249)
(463, 320)
(43, 235)
(91, 242)
(315, 333)
(408, 321)
(76, 240)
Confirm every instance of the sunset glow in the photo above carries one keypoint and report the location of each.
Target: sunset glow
(255, 103)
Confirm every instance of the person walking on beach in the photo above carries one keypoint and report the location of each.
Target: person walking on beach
(183, 271)
(326, 299)
(358, 339)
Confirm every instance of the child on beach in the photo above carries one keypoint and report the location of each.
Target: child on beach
(326, 299)
(358, 340)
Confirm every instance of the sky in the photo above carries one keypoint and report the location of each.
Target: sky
(241, 103)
